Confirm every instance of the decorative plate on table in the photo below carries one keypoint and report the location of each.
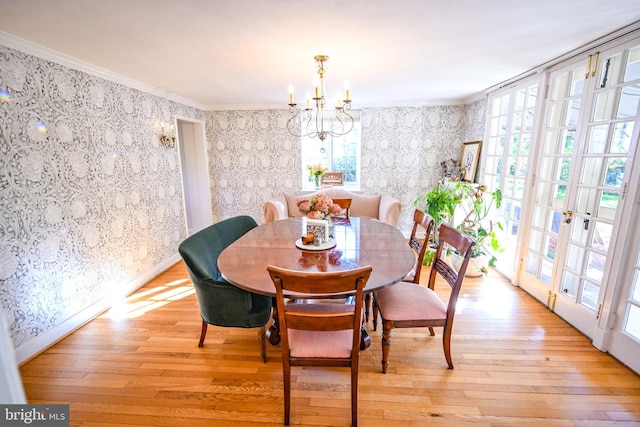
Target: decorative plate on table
(311, 247)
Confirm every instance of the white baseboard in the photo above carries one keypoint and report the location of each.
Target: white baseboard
(40, 343)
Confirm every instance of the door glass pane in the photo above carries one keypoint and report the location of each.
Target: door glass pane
(573, 112)
(608, 205)
(621, 140)
(560, 87)
(545, 272)
(555, 117)
(532, 97)
(516, 122)
(632, 325)
(569, 139)
(610, 71)
(574, 257)
(518, 189)
(551, 142)
(595, 266)
(615, 171)
(535, 242)
(591, 168)
(570, 283)
(578, 233)
(550, 248)
(628, 105)
(515, 145)
(602, 236)
(604, 105)
(532, 265)
(522, 167)
(544, 192)
(559, 194)
(586, 198)
(538, 217)
(632, 71)
(564, 166)
(589, 296)
(597, 139)
(577, 80)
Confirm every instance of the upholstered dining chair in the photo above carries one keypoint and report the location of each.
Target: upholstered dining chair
(221, 303)
(411, 305)
(419, 242)
(316, 333)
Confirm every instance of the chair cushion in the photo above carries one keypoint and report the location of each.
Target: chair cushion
(409, 301)
(330, 344)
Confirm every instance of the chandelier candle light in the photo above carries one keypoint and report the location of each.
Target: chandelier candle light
(343, 119)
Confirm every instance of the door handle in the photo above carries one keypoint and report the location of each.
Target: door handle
(568, 215)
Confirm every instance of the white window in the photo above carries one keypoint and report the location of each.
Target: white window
(337, 154)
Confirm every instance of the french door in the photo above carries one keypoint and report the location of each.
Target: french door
(581, 182)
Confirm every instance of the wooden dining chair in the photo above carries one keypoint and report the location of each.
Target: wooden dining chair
(411, 305)
(422, 225)
(319, 334)
(344, 204)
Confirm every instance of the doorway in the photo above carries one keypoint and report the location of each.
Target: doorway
(194, 167)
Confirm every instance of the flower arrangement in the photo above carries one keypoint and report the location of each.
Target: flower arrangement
(316, 171)
(319, 207)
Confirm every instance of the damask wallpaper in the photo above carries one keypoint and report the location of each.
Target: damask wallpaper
(89, 199)
(90, 202)
(253, 157)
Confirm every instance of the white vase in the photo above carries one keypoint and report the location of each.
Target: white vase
(476, 266)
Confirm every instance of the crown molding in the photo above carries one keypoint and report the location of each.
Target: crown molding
(34, 49)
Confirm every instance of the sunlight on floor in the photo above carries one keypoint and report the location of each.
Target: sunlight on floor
(142, 302)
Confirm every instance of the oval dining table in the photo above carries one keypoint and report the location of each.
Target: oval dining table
(358, 242)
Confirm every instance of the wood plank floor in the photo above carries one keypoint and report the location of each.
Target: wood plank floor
(517, 364)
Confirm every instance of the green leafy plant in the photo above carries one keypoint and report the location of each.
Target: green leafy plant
(477, 205)
(440, 203)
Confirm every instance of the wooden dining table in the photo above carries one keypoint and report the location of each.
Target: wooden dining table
(358, 242)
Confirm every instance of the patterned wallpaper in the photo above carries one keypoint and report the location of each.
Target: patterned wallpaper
(90, 201)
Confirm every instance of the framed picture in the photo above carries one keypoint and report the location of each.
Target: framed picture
(469, 160)
(332, 179)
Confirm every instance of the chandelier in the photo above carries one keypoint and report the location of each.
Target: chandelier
(314, 125)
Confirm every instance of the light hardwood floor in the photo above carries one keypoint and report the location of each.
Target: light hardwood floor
(516, 364)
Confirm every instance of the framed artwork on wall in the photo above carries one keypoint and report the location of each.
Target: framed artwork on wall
(469, 160)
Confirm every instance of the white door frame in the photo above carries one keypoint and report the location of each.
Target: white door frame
(194, 167)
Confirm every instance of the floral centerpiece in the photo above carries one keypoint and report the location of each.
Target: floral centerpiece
(319, 206)
(316, 171)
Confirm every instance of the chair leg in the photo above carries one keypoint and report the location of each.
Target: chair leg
(354, 393)
(446, 344)
(387, 326)
(203, 333)
(367, 306)
(432, 332)
(262, 337)
(286, 374)
(375, 310)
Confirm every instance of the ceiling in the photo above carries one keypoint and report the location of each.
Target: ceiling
(223, 54)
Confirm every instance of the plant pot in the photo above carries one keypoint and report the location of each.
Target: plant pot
(477, 265)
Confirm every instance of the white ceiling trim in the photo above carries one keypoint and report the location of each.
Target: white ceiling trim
(25, 46)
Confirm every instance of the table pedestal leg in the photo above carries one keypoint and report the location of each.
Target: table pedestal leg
(365, 339)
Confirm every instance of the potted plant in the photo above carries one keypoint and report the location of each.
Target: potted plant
(476, 206)
(451, 199)
(440, 203)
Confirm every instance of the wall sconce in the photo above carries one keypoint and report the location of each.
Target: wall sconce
(167, 139)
